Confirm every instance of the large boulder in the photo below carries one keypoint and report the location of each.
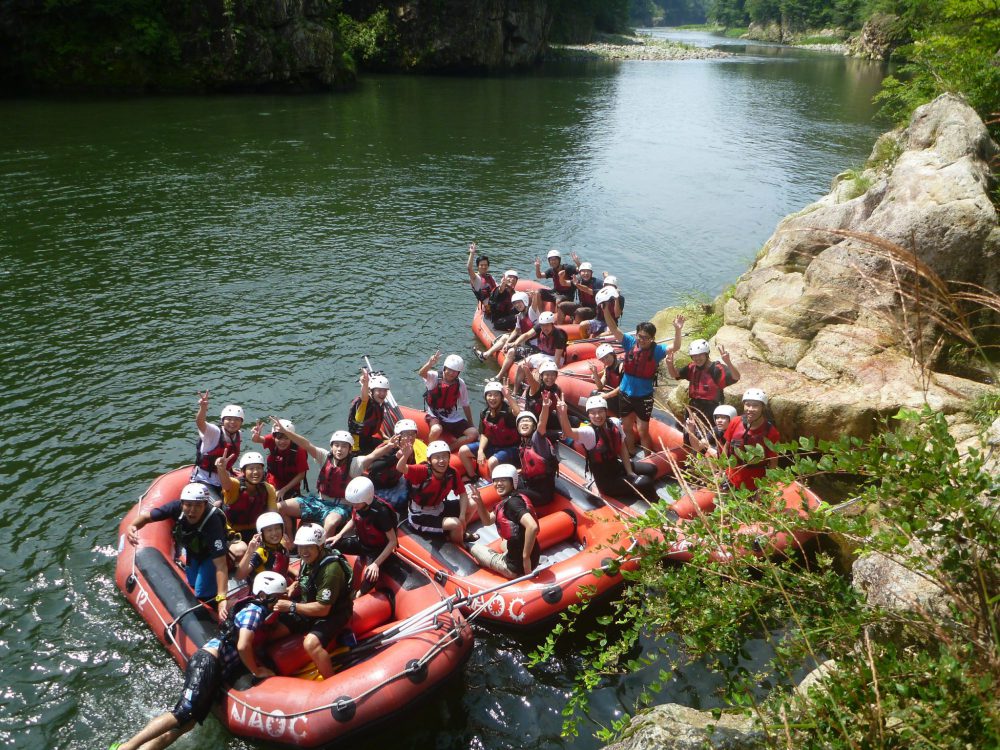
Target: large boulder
(675, 727)
(828, 324)
(881, 34)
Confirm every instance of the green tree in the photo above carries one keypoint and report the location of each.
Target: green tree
(727, 13)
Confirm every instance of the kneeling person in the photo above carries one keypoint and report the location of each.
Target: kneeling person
(370, 533)
(517, 525)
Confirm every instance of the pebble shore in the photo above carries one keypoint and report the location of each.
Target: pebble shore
(633, 48)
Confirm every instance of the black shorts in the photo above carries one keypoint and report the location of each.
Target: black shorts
(641, 406)
(202, 679)
(455, 429)
(504, 322)
(324, 629)
(431, 523)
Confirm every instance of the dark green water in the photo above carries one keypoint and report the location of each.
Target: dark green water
(259, 246)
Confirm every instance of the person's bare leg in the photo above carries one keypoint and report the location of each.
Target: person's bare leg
(156, 727)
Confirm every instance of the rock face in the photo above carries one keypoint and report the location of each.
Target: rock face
(818, 323)
(675, 727)
(890, 585)
(881, 34)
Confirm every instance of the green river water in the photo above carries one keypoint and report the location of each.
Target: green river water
(260, 246)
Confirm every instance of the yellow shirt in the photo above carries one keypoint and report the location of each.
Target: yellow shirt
(230, 497)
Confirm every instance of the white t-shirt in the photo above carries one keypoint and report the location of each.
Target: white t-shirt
(209, 441)
(458, 413)
(586, 435)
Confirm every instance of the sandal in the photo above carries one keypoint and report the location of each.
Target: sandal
(471, 536)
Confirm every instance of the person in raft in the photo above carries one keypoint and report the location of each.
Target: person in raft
(244, 499)
(608, 298)
(753, 428)
(607, 382)
(267, 550)
(526, 306)
(219, 661)
(370, 533)
(320, 601)
(587, 288)
(213, 441)
(446, 401)
(200, 532)
(538, 455)
(547, 342)
(498, 436)
(364, 418)
(390, 484)
(708, 441)
(642, 360)
(517, 525)
(501, 305)
(287, 463)
(608, 458)
(482, 282)
(706, 380)
(432, 508)
(562, 278)
(541, 385)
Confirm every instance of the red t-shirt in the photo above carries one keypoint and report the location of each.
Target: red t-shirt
(436, 491)
(738, 437)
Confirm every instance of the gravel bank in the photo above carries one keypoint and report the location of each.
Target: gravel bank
(633, 48)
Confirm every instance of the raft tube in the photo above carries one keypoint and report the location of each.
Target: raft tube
(377, 678)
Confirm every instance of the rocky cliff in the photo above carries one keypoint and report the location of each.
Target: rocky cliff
(839, 330)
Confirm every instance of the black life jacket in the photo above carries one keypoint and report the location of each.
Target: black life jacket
(383, 473)
(368, 533)
(501, 431)
(206, 460)
(500, 303)
(332, 480)
(249, 504)
(229, 634)
(534, 465)
(433, 491)
(505, 524)
(587, 297)
(274, 558)
(442, 399)
(307, 593)
(639, 363)
(190, 539)
(533, 403)
(372, 424)
(706, 383)
(281, 464)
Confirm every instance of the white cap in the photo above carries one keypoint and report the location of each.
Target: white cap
(554, 254)
(195, 493)
(503, 471)
(404, 425)
(378, 381)
(269, 519)
(548, 366)
(611, 281)
(249, 459)
(309, 534)
(604, 294)
(755, 394)
(454, 362)
(232, 410)
(520, 297)
(360, 491)
(698, 346)
(511, 272)
(597, 402)
(493, 385)
(725, 410)
(270, 583)
(546, 317)
(586, 266)
(342, 436)
(437, 446)
(604, 350)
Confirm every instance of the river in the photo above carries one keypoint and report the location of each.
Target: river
(259, 246)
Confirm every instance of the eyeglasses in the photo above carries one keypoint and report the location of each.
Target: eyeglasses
(643, 337)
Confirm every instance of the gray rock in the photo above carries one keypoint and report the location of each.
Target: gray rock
(814, 680)
(675, 727)
(888, 584)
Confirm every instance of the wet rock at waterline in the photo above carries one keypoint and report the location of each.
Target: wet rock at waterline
(675, 727)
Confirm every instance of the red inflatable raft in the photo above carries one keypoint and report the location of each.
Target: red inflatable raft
(409, 642)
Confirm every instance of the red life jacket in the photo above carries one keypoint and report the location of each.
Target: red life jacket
(206, 460)
(587, 295)
(502, 433)
(281, 464)
(548, 343)
(524, 322)
(702, 384)
(372, 424)
(558, 286)
(249, 504)
(332, 480)
(613, 376)
(364, 524)
(639, 363)
(607, 446)
(534, 403)
(433, 491)
(501, 304)
(534, 465)
(486, 287)
(744, 437)
(443, 398)
(505, 525)
(272, 558)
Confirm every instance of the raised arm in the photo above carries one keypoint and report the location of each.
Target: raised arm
(298, 439)
(199, 417)
(678, 327)
(255, 435)
(515, 408)
(671, 366)
(229, 484)
(538, 269)
(613, 328)
(430, 364)
(563, 411)
(472, 271)
(728, 362)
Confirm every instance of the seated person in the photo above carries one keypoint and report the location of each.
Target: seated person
(245, 499)
(432, 509)
(547, 343)
(526, 306)
(367, 412)
(287, 463)
(213, 441)
(321, 602)
(200, 533)
(708, 439)
(541, 385)
(609, 299)
(482, 282)
(562, 278)
(753, 428)
(267, 550)
(212, 665)
(586, 288)
(390, 484)
(498, 437)
(517, 525)
(501, 306)
(538, 456)
(706, 380)
(446, 400)
(370, 533)
(608, 380)
(608, 459)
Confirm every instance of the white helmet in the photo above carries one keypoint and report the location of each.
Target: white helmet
(437, 446)
(404, 425)
(548, 366)
(309, 534)
(378, 381)
(520, 297)
(269, 519)
(698, 346)
(454, 362)
(755, 394)
(342, 436)
(232, 410)
(503, 471)
(493, 385)
(511, 272)
(270, 583)
(285, 425)
(586, 266)
(249, 459)
(525, 414)
(597, 402)
(725, 410)
(611, 281)
(360, 491)
(195, 493)
(546, 317)
(554, 254)
(604, 350)
(605, 294)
